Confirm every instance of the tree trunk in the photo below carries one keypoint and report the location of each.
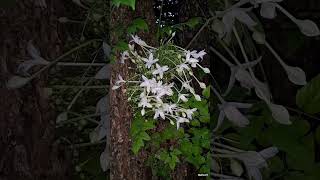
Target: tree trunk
(27, 122)
(126, 166)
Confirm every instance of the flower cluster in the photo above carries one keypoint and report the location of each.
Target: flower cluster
(163, 80)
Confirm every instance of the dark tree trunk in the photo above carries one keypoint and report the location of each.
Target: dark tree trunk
(27, 122)
(126, 166)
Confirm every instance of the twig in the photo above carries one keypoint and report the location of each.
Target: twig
(200, 30)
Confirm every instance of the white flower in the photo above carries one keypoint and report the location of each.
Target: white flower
(181, 67)
(189, 112)
(164, 90)
(147, 83)
(124, 56)
(192, 61)
(187, 86)
(144, 101)
(170, 108)
(198, 55)
(230, 110)
(183, 97)
(160, 70)
(159, 112)
(181, 120)
(150, 61)
(118, 82)
(256, 160)
(137, 40)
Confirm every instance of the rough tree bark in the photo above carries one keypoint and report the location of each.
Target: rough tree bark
(27, 122)
(124, 165)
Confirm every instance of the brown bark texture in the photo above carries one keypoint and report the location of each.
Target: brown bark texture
(27, 122)
(124, 165)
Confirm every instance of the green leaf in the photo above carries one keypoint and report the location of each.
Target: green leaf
(193, 22)
(145, 136)
(308, 97)
(136, 25)
(137, 145)
(206, 92)
(130, 3)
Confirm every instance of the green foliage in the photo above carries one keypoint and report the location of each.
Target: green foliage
(138, 132)
(193, 22)
(172, 147)
(137, 25)
(308, 97)
(130, 3)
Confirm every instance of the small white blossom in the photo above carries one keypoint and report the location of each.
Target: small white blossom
(118, 82)
(183, 97)
(124, 56)
(147, 83)
(150, 61)
(192, 61)
(182, 67)
(198, 55)
(159, 112)
(181, 120)
(189, 112)
(160, 70)
(138, 41)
